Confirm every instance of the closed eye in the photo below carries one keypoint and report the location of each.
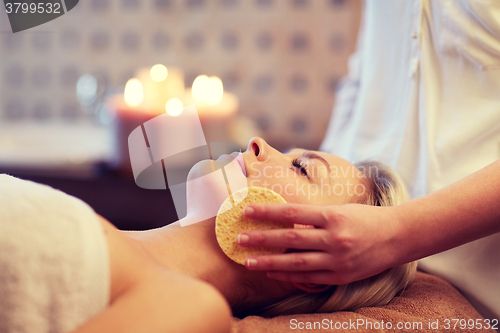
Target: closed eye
(301, 166)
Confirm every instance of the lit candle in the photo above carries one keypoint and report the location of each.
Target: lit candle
(157, 90)
(160, 84)
(212, 102)
(174, 107)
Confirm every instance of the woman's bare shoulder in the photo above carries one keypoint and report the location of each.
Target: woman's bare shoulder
(129, 264)
(141, 288)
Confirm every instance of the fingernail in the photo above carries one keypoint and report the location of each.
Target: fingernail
(250, 262)
(271, 274)
(249, 211)
(242, 239)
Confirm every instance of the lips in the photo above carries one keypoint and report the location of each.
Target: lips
(241, 162)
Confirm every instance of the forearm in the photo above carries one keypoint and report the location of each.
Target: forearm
(459, 213)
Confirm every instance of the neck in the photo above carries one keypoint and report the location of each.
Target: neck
(193, 250)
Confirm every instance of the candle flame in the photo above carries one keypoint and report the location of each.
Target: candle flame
(174, 107)
(208, 89)
(134, 93)
(158, 73)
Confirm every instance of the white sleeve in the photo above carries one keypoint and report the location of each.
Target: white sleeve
(346, 94)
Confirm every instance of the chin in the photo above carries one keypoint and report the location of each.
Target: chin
(200, 169)
(207, 188)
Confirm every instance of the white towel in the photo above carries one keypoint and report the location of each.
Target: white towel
(54, 261)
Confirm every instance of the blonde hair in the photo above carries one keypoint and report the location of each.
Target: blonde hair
(387, 189)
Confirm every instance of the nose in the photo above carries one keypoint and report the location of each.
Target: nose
(259, 148)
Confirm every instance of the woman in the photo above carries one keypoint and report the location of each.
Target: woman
(177, 278)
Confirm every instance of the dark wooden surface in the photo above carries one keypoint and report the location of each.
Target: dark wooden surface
(113, 195)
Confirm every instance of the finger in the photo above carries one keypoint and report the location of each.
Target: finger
(303, 239)
(292, 213)
(319, 277)
(298, 261)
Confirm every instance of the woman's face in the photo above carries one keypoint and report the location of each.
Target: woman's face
(302, 176)
(299, 176)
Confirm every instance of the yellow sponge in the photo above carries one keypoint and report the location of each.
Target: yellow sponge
(230, 222)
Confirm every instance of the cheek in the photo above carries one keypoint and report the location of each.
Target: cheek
(292, 187)
(303, 192)
(294, 190)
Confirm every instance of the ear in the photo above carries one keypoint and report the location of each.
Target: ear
(312, 287)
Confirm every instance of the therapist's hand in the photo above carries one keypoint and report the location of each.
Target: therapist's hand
(343, 243)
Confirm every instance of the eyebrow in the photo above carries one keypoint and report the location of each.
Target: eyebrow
(311, 155)
(308, 154)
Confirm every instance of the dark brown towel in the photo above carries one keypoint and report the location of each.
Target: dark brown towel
(429, 303)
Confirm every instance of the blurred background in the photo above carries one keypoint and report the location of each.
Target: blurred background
(64, 120)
